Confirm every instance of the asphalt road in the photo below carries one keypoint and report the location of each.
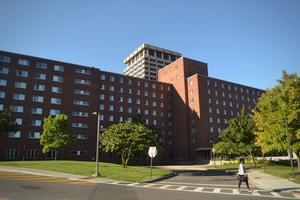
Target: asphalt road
(188, 185)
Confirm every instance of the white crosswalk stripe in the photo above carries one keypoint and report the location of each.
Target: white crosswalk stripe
(198, 189)
(181, 188)
(275, 194)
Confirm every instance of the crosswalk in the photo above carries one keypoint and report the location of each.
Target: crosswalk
(211, 189)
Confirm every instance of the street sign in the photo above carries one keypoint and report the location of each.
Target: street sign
(152, 152)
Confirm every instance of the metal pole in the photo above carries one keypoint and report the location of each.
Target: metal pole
(97, 146)
(291, 156)
(151, 167)
(214, 155)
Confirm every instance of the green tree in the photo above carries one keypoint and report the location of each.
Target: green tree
(129, 139)
(6, 124)
(54, 135)
(240, 136)
(279, 103)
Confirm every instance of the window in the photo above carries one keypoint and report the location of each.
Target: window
(129, 110)
(12, 153)
(217, 101)
(40, 76)
(146, 93)
(216, 84)
(2, 95)
(23, 62)
(21, 85)
(129, 81)
(102, 77)
(80, 125)
(34, 135)
(58, 79)
(146, 84)
(83, 92)
(81, 103)
(102, 96)
(83, 71)
(35, 122)
(225, 121)
(78, 153)
(191, 82)
(16, 121)
(102, 87)
(111, 108)
(121, 80)
(191, 91)
(146, 112)
(112, 78)
(218, 120)
(41, 65)
(218, 111)
(153, 94)
(57, 89)
(138, 101)
(50, 154)
(80, 136)
(121, 99)
(39, 99)
(208, 91)
(101, 107)
(211, 129)
(120, 109)
(54, 112)
(224, 103)
(210, 119)
(4, 70)
(37, 111)
(111, 88)
(59, 68)
(56, 101)
(20, 97)
(216, 92)
(129, 91)
(18, 109)
(3, 82)
(39, 87)
(153, 103)
(111, 98)
(129, 100)
(138, 92)
(4, 59)
(22, 73)
(208, 83)
(80, 81)
(32, 154)
(209, 100)
(111, 118)
(191, 100)
(14, 134)
(225, 112)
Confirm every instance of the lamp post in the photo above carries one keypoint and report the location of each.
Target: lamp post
(290, 153)
(213, 151)
(97, 146)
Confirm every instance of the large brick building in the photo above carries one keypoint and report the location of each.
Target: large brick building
(187, 105)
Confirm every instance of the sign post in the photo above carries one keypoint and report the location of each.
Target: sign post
(152, 152)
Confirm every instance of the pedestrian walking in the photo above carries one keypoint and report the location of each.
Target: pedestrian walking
(242, 175)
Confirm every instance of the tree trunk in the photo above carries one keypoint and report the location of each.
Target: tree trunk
(125, 159)
(55, 154)
(253, 158)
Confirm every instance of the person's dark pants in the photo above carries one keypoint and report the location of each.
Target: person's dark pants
(245, 180)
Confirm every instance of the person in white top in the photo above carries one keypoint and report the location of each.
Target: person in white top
(243, 176)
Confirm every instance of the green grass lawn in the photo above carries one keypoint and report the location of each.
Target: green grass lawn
(275, 170)
(85, 168)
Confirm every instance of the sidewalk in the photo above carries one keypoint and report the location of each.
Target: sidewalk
(256, 177)
(269, 182)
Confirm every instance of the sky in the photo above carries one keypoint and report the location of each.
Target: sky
(249, 42)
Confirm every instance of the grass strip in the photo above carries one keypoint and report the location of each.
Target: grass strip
(86, 168)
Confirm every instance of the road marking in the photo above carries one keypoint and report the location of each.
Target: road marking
(275, 194)
(296, 195)
(115, 183)
(132, 184)
(217, 190)
(165, 186)
(198, 189)
(255, 193)
(234, 191)
(181, 187)
(149, 185)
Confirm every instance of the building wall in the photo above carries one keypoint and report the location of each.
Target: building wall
(189, 107)
(150, 98)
